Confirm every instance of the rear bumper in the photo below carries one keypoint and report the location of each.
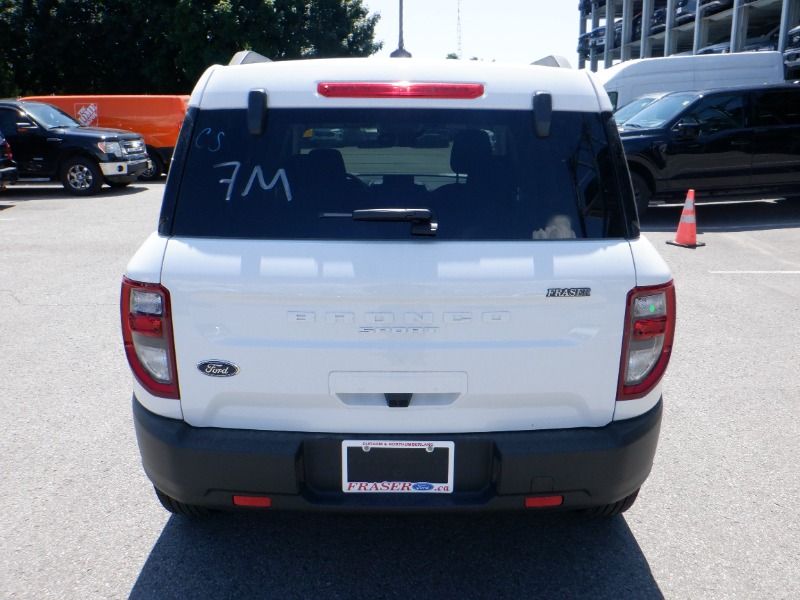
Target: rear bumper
(493, 471)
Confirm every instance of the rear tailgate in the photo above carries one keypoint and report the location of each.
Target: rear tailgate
(321, 331)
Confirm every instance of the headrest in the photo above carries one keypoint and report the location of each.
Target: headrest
(326, 162)
(471, 149)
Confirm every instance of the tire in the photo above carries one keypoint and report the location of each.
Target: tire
(81, 176)
(153, 173)
(641, 193)
(179, 508)
(611, 510)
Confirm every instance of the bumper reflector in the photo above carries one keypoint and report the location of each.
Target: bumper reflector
(543, 501)
(252, 501)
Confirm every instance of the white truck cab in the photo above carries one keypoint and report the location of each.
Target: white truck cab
(397, 284)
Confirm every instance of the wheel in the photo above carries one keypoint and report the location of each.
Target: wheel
(612, 510)
(179, 508)
(154, 172)
(81, 176)
(641, 193)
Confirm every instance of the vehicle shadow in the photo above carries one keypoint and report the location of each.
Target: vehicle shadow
(23, 192)
(781, 213)
(290, 555)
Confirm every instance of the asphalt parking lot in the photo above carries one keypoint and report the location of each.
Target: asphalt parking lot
(716, 519)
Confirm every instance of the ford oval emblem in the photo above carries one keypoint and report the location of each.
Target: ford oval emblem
(422, 487)
(217, 368)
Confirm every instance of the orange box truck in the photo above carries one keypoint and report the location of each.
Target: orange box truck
(157, 118)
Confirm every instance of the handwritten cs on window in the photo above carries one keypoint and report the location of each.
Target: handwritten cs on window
(256, 176)
(207, 140)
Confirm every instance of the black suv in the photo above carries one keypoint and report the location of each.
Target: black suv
(739, 142)
(49, 144)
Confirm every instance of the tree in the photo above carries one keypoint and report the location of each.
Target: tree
(340, 29)
(160, 46)
(8, 37)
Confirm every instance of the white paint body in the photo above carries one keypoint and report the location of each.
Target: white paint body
(293, 84)
(634, 78)
(320, 330)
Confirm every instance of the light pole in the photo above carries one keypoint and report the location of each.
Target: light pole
(401, 52)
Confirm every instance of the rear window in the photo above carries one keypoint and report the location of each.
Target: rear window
(471, 174)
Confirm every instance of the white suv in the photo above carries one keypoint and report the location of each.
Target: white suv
(448, 306)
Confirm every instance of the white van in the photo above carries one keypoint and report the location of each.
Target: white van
(628, 80)
(446, 306)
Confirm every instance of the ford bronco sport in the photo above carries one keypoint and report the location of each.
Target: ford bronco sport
(445, 306)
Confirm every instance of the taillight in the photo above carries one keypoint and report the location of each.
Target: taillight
(400, 89)
(147, 336)
(647, 343)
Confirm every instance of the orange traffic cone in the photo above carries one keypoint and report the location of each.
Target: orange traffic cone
(686, 236)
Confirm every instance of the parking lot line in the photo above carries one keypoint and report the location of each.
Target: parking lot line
(755, 272)
(750, 227)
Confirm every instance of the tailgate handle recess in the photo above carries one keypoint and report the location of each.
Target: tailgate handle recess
(398, 400)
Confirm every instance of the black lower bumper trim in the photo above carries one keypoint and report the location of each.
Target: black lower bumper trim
(207, 466)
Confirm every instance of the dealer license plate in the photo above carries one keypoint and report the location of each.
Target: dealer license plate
(397, 467)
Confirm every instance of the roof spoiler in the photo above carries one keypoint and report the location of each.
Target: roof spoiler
(247, 57)
(553, 60)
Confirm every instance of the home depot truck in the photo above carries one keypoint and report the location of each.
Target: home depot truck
(447, 307)
(157, 118)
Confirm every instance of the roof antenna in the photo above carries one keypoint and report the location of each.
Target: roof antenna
(401, 52)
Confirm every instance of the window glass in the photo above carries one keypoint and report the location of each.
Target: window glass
(777, 108)
(660, 112)
(481, 174)
(632, 108)
(717, 113)
(49, 116)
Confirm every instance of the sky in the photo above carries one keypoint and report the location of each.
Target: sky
(518, 31)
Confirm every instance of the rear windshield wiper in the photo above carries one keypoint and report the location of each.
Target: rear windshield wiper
(422, 220)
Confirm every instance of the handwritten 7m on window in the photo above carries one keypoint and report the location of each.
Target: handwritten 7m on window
(256, 176)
